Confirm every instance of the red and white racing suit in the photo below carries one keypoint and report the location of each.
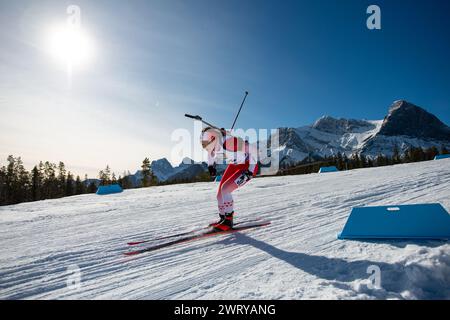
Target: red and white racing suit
(242, 162)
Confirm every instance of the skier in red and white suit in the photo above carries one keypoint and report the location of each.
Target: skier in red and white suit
(242, 166)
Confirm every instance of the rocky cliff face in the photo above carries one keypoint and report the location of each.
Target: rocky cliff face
(407, 119)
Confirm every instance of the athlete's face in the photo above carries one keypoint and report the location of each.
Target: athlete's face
(210, 138)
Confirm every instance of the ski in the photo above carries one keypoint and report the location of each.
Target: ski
(134, 243)
(196, 237)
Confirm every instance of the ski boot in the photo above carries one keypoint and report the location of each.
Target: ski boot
(221, 219)
(225, 223)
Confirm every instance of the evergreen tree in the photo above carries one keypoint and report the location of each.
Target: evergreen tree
(356, 161)
(50, 181)
(396, 155)
(17, 181)
(146, 173)
(80, 187)
(70, 185)
(363, 161)
(381, 160)
(61, 179)
(101, 176)
(113, 178)
(86, 181)
(3, 185)
(105, 176)
(108, 175)
(10, 180)
(36, 184)
(340, 162)
(345, 161)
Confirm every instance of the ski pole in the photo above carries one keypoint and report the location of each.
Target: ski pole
(243, 101)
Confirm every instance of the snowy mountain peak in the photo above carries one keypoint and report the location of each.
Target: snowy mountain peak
(162, 164)
(340, 126)
(398, 104)
(407, 119)
(162, 169)
(187, 161)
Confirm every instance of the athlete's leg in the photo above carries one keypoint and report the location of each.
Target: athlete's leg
(228, 186)
(229, 171)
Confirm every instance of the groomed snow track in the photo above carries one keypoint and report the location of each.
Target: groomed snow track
(296, 257)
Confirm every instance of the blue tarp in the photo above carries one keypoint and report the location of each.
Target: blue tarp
(442, 156)
(328, 169)
(417, 221)
(113, 188)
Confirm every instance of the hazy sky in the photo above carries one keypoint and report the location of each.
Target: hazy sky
(153, 61)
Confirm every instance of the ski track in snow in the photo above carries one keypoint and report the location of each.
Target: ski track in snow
(296, 257)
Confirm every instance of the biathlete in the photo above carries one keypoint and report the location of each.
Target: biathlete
(242, 166)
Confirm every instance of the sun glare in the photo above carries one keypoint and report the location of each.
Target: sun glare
(70, 46)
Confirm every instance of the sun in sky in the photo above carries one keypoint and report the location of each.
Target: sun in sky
(69, 43)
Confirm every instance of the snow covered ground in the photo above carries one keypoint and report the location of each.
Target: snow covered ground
(297, 257)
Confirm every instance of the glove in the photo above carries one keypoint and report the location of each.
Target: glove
(212, 171)
(244, 178)
(248, 174)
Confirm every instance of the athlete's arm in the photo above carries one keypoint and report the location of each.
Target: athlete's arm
(212, 163)
(253, 160)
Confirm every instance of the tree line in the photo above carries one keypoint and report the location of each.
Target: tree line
(355, 161)
(45, 181)
(50, 181)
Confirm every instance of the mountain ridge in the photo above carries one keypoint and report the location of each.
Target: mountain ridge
(406, 125)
